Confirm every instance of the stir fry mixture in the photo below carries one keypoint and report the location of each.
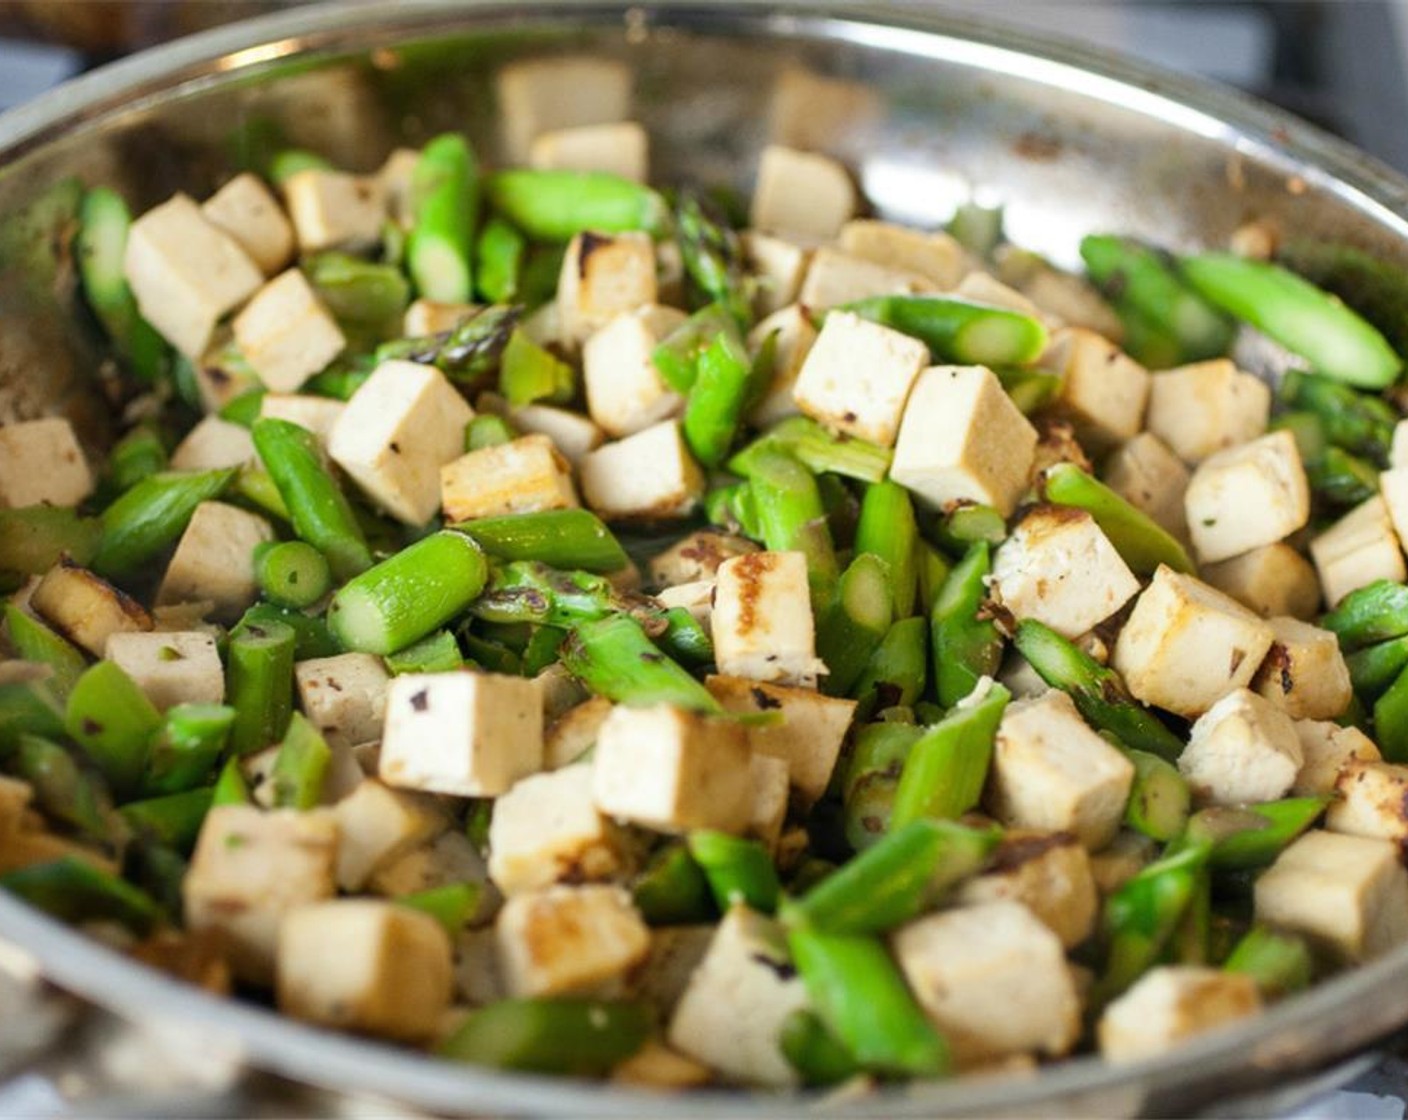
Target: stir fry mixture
(582, 628)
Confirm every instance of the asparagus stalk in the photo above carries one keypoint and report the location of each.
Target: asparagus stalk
(888, 529)
(151, 516)
(365, 297)
(965, 524)
(173, 819)
(528, 373)
(673, 889)
(1376, 612)
(185, 751)
(256, 487)
(103, 224)
(285, 164)
(259, 684)
(898, 670)
(813, 1051)
(301, 766)
(734, 508)
(1372, 669)
(112, 721)
(468, 354)
(717, 398)
(562, 538)
(75, 890)
(33, 641)
(957, 330)
(137, 455)
(1348, 418)
(737, 870)
(711, 253)
(28, 706)
(444, 204)
(977, 228)
(816, 449)
(488, 430)
(933, 569)
(567, 1036)
(852, 628)
(530, 591)
(871, 777)
(558, 205)
(1373, 288)
(944, 773)
(1253, 836)
(452, 905)
(676, 358)
(686, 639)
(1140, 540)
(62, 790)
(1280, 963)
(1341, 480)
(291, 574)
(791, 517)
(311, 635)
(967, 645)
(339, 382)
(1031, 390)
(33, 539)
(613, 658)
(230, 787)
(1140, 918)
(498, 261)
(1159, 799)
(435, 653)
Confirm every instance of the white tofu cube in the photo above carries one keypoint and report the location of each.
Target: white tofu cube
(732, 1011)
(541, 94)
(1059, 568)
(1348, 895)
(762, 623)
(391, 974)
(546, 829)
(1202, 408)
(1170, 1004)
(251, 869)
(604, 275)
(625, 392)
(1275, 580)
(993, 979)
(170, 668)
(525, 475)
(574, 732)
(1103, 390)
(937, 257)
(1370, 801)
(1060, 296)
(318, 414)
(1393, 488)
(573, 434)
(246, 210)
(801, 195)
(1048, 873)
(778, 265)
(795, 338)
(1304, 673)
(212, 445)
(1247, 497)
(834, 278)
(1398, 450)
(85, 608)
(566, 941)
(427, 316)
(376, 825)
(403, 424)
(1242, 750)
(335, 210)
(697, 598)
(671, 770)
(286, 334)
(214, 560)
(343, 696)
(770, 794)
(186, 273)
(962, 439)
(857, 377)
(1356, 550)
(1326, 749)
(465, 733)
(622, 149)
(697, 557)
(1051, 772)
(649, 476)
(1186, 645)
(395, 176)
(42, 463)
(982, 287)
(1151, 478)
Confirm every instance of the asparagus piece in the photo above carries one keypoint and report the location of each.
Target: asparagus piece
(1336, 341)
(1140, 540)
(1098, 692)
(151, 516)
(966, 644)
(28, 706)
(467, 354)
(858, 992)
(562, 538)
(676, 357)
(735, 509)
(256, 486)
(112, 721)
(871, 777)
(813, 1051)
(958, 331)
(435, 653)
(74, 890)
(717, 398)
(1252, 836)
(1307, 427)
(1159, 799)
(498, 261)
(1373, 288)
(339, 382)
(311, 634)
(244, 409)
(444, 204)
(686, 639)
(530, 591)
(173, 819)
(1191, 938)
(1280, 963)
(933, 569)
(791, 517)
(1140, 918)
(488, 430)
(34, 538)
(711, 253)
(137, 455)
(613, 657)
(888, 529)
(184, 752)
(977, 228)
(33, 641)
(967, 523)
(568, 1036)
(1372, 669)
(409, 594)
(673, 889)
(818, 450)
(259, 684)
(62, 790)
(301, 766)
(944, 773)
(541, 270)
(898, 670)
(452, 905)
(367, 299)
(1376, 612)
(1348, 418)
(737, 870)
(103, 224)
(285, 164)
(1342, 480)
(230, 787)
(491, 656)
(528, 373)
(1031, 390)
(558, 205)
(291, 573)
(852, 628)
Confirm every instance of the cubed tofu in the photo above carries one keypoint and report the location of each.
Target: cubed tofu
(41, 462)
(250, 870)
(335, 210)
(993, 979)
(547, 830)
(539, 95)
(672, 770)
(85, 608)
(857, 377)
(795, 337)
(697, 557)
(625, 392)
(1393, 488)
(1103, 390)
(390, 974)
(697, 598)
(762, 624)
(1356, 550)
(1398, 449)
(1247, 497)
(1242, 750)
(344, 696)
(834, 278)
(1059, 568)
(525, 475)
(1202, 408)
(1048, 873)
(449, 858)
(1275, 580)
(1051, 772)
(1348, 895)
(574, 732)
(170, 668)
(286, 334)
(1304, 673)
(778, 265)
(978, 286)
(731, 1013)
(604, 275)
(318, 414)
(962, 439)
(573, 434)
(376, 825)
(396, 174)
(801, 195)
(427, 316)
(658, 1067)
(1187, 645)
(649, 476)
(214, 560)
(1326, 749)
(937, 257)
(1371, 799)
(570, 941)
(466, 733)
(770, 797)
(1059, 295)
(621, 149)
(403, 424)
(1170, 1004)
(212, 445)
(246, 210)
(1151, 478)
(186, 273)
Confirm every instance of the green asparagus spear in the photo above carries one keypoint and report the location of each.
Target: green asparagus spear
(103, 225)
(498, 261)
(339, 381)
(1280, 963)
(444, 204)
(1142, 916)
(1341, 480)
(75, 890)
(28, 706)
(734, 509)
(1373, 288)
(967, 646)
(1159, 799)
(1253, 836)
(898, 670)
(1373, 613)
(614, 658)
(63, 790)
(531, 591)
(112, 721)
(1391, 720)
(151, 516)
(964, 524)
(301, 765)
(557, 205)
(1141, 541)
(1374, 668)
(366, 298)
(244, 409)
(977, 228)
(736, 869)
(1349, 419)
(717, 398)
(686, 639)
(957, 330)
(673, 889)
(676, 358)
(488, 430)
(291, 573)
(816, 449)
(711, 253)
(259, 684)
(33, 539)
(1031, 390)
(435, 653)
(173, 819)
(285, 164)
(563, 538)
(452, 905)
(887, 529)
(311, 634)
(185, 751)
(529, 372)
(34, 641)
(468, 354)
(933, 572)
(945, 771)
(871, 778)
(567, 1036)
(137, 455)
(541, 271)
(852, 628)
(813, 1051)
(256, 487)
(230, 787)
(791, 517)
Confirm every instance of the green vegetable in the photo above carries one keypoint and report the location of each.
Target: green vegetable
(185, 751)
(151, 516)
(868, 786)
(816, 449)
(444, 204)
(673, 889)
(468, 354)
(33, 641)
(737, 870)
(1141, 917)
(488, 430)
(898, 670)
(944, 773)
(613, 657)
(101, 242)
(33, 539)
(958, 331)
(1280, 963)
(291, 573)
(76, 891)
(887, 529)
(301, 765)
(137, 455)
(717, 398)
(285, 164)
(1141, 541)
(567, 1036)
(63, 790)
(558, 205)
(1159, 799)
(967, 645)
(529, 373)
(791, 517)
(852, 628)
(173, 819)
(367, 299)
(813, 1051)
(1251, 836)
(1376, 612)
(259, 684)
(435, 653)
(563, 538)
(112, 721)
(498, 261)
(452, 905)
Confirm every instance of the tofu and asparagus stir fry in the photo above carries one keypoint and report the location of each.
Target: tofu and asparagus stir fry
(582, 628)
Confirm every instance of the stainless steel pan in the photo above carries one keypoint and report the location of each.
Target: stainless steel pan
(926, 107)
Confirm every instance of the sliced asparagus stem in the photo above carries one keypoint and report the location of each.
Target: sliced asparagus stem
(259, 684)
(614, 658)
(301, 765)
(230, 787)
(1280, 963)
(1250, 837)
(711, 253)
(444, 204)
(791, 516)
(737, 870)
(888, 529)
(677, 355)
(1376, 612)
(944, 774)
(558, 205)
(367, 299)
(28, 706)
(436, 653)
(529, 373)
(285, 164)
(852, 628)
(1349, 419)
(562, 538)
(567, 1036)
(673, 889)
(813, 1051)
(1141, 541)
(488, 430)
(103, 225)
(185, 751)
(958, 331)
(717, 398)
(452, 905)
(871, 778)
(33, 539)
(898, 670)
(1374, 668)
(33, 641)
(151, 516)
(967, 646)
(137, 455)
(531, 591)
(291, 573)
(468, 354)
(76, 891)
(173, 819)
(1159, 799)
(63, 790)
(113, 722)
(816, 449)
(498, 261)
